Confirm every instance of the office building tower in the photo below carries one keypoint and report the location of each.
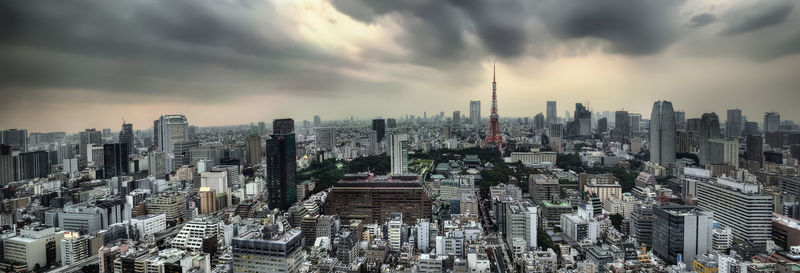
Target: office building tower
(126, 136)
(194, 232)
(642, 224)
(636, 122)
(317, 121)
(622, 126)
(475, 111)
(493, 136)
(602, 125)
(583, 117)
(681, 231)
(684, 142)
(399, 153)
(754, 150)
(539, 122)
(733, 125)
(171, 203)
(16, 138)
(208, 200)
(552, 117)
(326, 138)
(379, 126)
(739, 206)
(456, 117)
(772, 122)
(543, 187)
(115, 159)
(38, 248)
(268, 250)
(262, 128)
(680, 120)
(89, 136)
(390, 123)
(521, 223)
(662, 133)
(722, 151)
(709, 129)
(252, 150)
(6, 165)
(394, 227)
(750, 128)
(282, 126)
(281, 168)
(155, 160)
(33, 165)
(374, 145)
(372, 198)
(172, 129)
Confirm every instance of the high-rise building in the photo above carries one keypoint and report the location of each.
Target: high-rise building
(493, 135)
(379, 126)
(115, 159)
(399, 153)
(680, 120)
(7, 172)
(456, 117)
(317, 121)
(325, 138)
(252, 150)
(208, 200)
(89, 136)
(191, 236)
(709, 128)
(552, 117)
(33, 165)
(16, 138)
(475, 111)
(723, 151)
(602, 125)
(772, 122)
(282, 126)
(622, 126)
(641, 226)
(171, 203)
(733, 125)
(681, 231)
(521, 223)
(126, 136)
(281, 168)
(739, 206)
(372, 198)
(583, 117)
(38, 248)
(636, 122)
(390, 123)
(754, 148)
(662, 133)
(74, 248)
(172, 129)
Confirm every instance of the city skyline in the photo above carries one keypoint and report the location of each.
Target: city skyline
(333, 57)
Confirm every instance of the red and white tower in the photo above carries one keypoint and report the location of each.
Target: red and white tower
(493, 136)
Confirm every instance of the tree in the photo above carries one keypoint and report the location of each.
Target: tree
(616, 220)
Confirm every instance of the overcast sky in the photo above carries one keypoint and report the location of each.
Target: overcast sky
(69, 65)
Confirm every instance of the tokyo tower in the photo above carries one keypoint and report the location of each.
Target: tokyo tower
(493, 136)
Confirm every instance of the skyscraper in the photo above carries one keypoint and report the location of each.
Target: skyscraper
(681, 230)
(602, 125)
(636, 122)
(391, 123)
(317, 121)
(379, 126)
(538, 121)
(475, 111)
(16, 138)
(325, 138)
(399, 153)
(709, 128)
(456, 117)
(583, 117)
(126, 136)
(662, 133)
(281, 168)
(172, 129)
(552, 117)
(89, 136)
(115, 159)
(253, 150)
(755, 148)
(733, 125)
(772, 122)
(680, 120)
(493, 135)
(622, 126)
(282, 126)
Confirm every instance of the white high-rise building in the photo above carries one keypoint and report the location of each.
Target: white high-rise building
(395, 228)
(171, 129)
(423, 235)
(74, 248)
(217, 181)
(399, 153)
(739, 206)
(475, 111)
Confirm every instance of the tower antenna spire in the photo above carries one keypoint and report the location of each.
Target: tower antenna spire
(494, 70)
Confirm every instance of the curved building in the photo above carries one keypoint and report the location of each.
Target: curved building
(662, 133)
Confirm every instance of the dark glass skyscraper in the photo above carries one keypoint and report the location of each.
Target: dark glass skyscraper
(662, 133)
(282, 126)
(115, 159)
(126, 136)
(709, 128)
(622, 126)
(281, 168)
(379, 125)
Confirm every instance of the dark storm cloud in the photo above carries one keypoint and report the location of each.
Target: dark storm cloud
(702, 20)
(631, 27)
(206, 47)
(756, 16)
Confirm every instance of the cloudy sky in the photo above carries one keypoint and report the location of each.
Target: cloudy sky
(68, 65)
